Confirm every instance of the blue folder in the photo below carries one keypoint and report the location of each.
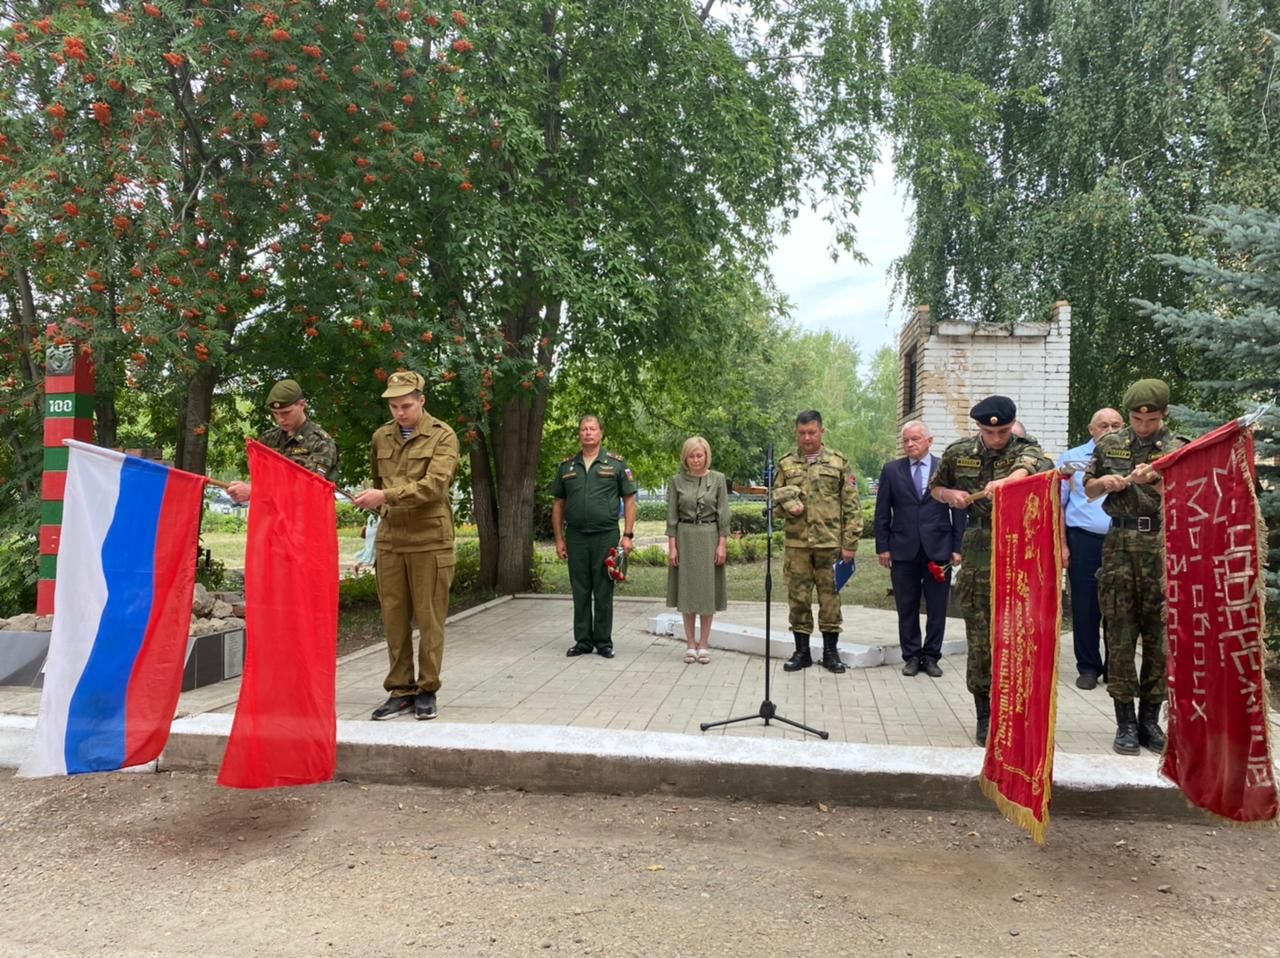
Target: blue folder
(844, 572)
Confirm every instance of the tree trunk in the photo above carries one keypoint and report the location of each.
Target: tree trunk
(484, 507)
(193, 438)
(106, 420)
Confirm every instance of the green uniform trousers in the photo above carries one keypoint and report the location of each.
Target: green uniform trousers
(414, 585)
(591, 586)
(1131, 595)
(806, 568)
(973, 596)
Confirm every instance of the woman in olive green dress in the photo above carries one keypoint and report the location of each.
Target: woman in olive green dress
(697, 527)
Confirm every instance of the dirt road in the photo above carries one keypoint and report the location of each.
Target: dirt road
(168, 865)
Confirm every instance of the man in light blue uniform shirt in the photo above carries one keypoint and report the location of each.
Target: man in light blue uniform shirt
(1087, 527)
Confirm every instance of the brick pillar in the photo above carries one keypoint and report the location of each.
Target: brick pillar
(68, 414)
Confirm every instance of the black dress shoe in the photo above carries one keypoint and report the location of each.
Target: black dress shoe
(1086, 680)
(605, 651)
(911, 666)
(396, 705)
(931, 669)
(424, 705)
(579, 650)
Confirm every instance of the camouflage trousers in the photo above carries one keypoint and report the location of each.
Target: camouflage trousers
(1131, 596)
(806, 568)
(973, 596)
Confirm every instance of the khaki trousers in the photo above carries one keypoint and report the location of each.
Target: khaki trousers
(414, 586)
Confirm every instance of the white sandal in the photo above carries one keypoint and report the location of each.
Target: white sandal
(704, 656)
(690, 656)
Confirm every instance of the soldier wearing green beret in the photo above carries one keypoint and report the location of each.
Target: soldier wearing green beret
(967, 475)
(815, 493)
(584, 517)
(294, 436)
(413, 460)
(1131, 580)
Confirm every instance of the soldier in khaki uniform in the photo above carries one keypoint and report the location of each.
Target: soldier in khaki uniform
(294, 436)
(1131, 579)
(413, 460)
(970, 467)
(584, 516)
(816, 495)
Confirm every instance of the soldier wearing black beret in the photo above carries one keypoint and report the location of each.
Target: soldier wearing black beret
(1131, 579)
(971, 466)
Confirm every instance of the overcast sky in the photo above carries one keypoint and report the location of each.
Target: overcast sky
(845, 297)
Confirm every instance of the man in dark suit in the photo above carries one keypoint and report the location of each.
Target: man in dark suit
(912, 530)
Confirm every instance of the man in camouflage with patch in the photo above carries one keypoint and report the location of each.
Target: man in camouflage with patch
(967, 477)
(816, 494)
(1131, 580)
(294, 436)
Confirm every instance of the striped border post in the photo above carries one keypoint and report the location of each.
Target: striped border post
(68, 414)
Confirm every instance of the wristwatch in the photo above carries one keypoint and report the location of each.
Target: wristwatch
(628, 535)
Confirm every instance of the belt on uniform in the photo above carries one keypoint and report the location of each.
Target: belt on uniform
(978, 522)
(1138, 523)
(698, 522)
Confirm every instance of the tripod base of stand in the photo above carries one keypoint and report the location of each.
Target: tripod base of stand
(768, 713)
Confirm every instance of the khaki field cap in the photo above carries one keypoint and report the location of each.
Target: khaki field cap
(284, 393)
(1147, 395)
(402, 383)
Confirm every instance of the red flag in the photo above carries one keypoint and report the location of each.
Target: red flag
(1026, 614)
(285, 729)
(1218, 750)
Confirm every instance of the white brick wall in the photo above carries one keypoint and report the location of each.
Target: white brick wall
(960, 363)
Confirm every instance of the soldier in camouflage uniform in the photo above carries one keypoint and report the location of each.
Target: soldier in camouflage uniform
(294, 436)
(978, 465)
(816, 494)
(1131, 580)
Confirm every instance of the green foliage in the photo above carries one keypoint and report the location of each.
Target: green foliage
(1054, 151)
(349, 517)
(357, 590)
(223, 522)
(1234, 323)
(18, 574)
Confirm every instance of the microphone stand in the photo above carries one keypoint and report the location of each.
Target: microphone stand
(768, 711)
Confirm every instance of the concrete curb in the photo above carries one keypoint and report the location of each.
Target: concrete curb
(556, 759)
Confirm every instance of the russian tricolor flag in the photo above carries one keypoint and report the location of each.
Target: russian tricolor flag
(122, 611)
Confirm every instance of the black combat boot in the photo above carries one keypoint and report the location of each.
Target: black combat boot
(1150, 735)
(1126, 742)
(801, 659)
(830, 655)
(982, 702)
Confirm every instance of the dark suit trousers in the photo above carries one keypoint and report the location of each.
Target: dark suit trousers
(911, 582)
(1086, 616)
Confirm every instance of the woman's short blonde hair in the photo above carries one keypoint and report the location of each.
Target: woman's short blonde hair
(692, 443)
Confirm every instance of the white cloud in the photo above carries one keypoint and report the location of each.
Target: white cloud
(845, 297)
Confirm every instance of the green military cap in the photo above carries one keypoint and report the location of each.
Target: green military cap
(1147, 395)
(402, 383)
(790, 498)
(994, 411)
(284, 393)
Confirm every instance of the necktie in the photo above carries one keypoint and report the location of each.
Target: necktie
(921, 477)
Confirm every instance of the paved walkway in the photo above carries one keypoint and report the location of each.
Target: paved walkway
(504, 663)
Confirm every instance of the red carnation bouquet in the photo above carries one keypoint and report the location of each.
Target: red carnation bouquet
(938, 571)
(615, 563)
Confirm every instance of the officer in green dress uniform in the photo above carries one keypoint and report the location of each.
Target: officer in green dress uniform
(584, 516)
(979, 464)
(1131, 579)
(815, 493)
(294, 436)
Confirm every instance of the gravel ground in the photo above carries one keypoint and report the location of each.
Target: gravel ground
(171, 864)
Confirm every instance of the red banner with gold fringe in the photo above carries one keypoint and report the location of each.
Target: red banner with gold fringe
(1026, 615)
(1218, 750)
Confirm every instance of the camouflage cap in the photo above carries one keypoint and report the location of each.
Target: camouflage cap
(1147, 395)
(284, 393)
(790, 498)
(402, 383)
(994, 411)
